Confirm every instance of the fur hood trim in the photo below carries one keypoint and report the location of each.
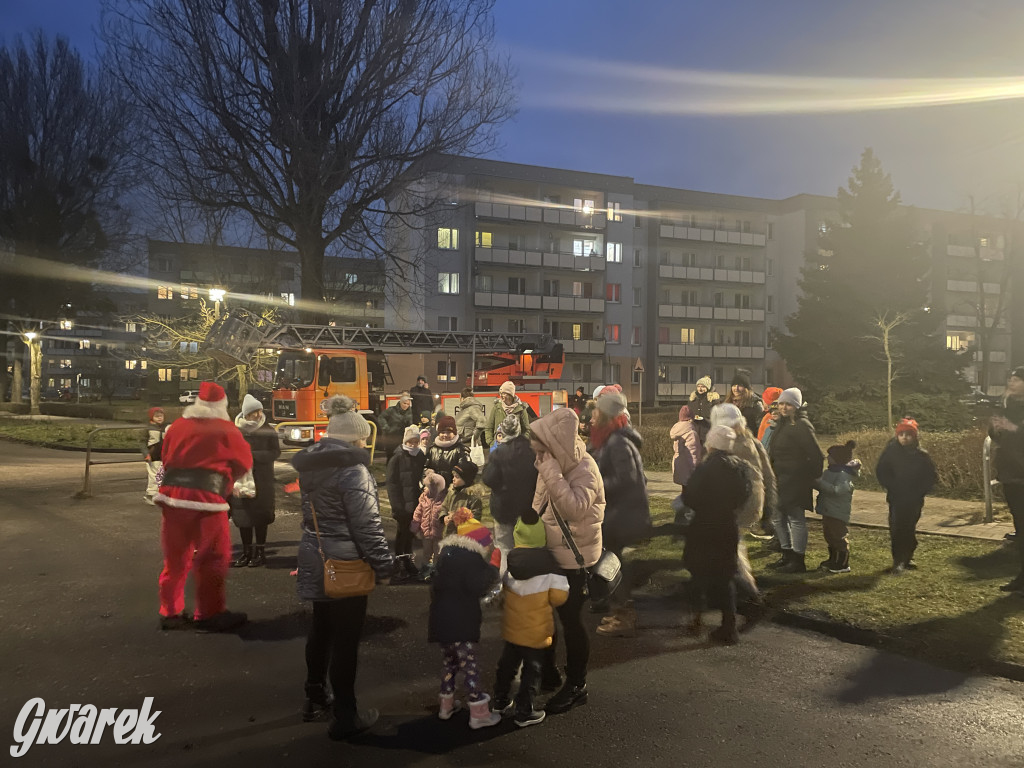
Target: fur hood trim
(464, 542)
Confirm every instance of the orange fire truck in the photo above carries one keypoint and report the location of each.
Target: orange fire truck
(315, 362)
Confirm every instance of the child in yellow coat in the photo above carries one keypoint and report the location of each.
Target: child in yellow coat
(533, 586)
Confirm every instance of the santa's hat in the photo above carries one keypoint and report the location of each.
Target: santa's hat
(212, 403)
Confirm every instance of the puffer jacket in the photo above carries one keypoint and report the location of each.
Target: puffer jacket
(498, 414)
(403, 483)
(512, 478)
(568, 478)
(717, 489)
(753, 412)
(627, 514)
(429, 509)
(393, 422)
(462, 576)
(443, 458)
(797, 460)
(470, 419)
(835, 491)
(533, 586)
(906, 472)
(469, 496)
(763, 493)
(687, 451)
(1009, 446)
(266, 448)
(335, 477)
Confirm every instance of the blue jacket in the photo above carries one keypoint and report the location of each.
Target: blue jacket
(835, 491)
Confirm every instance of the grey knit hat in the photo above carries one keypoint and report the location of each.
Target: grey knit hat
(510, 428)
(611, 403)
(345, 423)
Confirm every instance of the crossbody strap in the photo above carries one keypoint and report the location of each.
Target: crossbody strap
(566, 534)
(316, 526)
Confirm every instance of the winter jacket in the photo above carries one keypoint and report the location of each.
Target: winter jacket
(687, 451)
(764, 427)
(764, 493)
(422, 400)
(470, 419)
(469, 496)
(569, 479)
(498, 415)
(796, 459)
(906, 472)
(393, 422)
(427, 515)
(155, 440)
(443, 458)
(1009, 446)
(835, 491)
(266, 449)
(752, 412)
(627, 515)
(403, 477)
(335, 477)
(512, 478)
(718, 488)
(701, 405)
(533, 586)
(463, 574)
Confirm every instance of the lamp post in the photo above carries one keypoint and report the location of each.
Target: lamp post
(35, 352)
(216, 296)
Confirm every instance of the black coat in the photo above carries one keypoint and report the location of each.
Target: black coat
(512, 478)
(443, 460)
(422, 400)
(463, 574)
(627, 516)
(906, 472)
(1009, 446)
(403, 483)
(717, 488)
(797, 461)
(335, 476)
(753, 413)
(259, 510)
(393, 422)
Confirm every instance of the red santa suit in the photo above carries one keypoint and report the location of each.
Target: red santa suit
(203, 454)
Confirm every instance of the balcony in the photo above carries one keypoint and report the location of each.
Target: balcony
(995, 356)
(706, 273)
(561, 216)
(682, 391)
(517, 258)
(688, 312)
(536, 301)
(584, 347)
(970, 286)
(712, 235)
(967, 252)
(710, 351)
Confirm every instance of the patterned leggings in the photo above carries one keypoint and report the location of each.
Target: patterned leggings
(461, 657)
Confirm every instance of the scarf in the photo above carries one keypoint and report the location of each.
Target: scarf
(250, 426)
(411, 451)
(599, 433)
(510, 408)
(445, 443)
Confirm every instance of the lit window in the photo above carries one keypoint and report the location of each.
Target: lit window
(687, 335)
(84, 382)
(577, 331)
(983, 242)
(637, 336)
(130, 327)
(613, 292)
(611, 333)
(585, 207)
(447, 238)
(483, 239)
(165, 374)
(189, 292)
(351, 278)
(581, 247)
(67, 325)
(84, 344)
(288, 298)
(614, 211)
(164, 292)
(614, 251)
(143, 364)
(448, 282)
(65, 363)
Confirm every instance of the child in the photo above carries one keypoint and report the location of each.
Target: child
(427, 432)
(835, 499)
(426, 519)
(447, 449)
(405, 468)
(908, 474)
(464, 490)
(533, 586)
(465, 571)
(154, 442)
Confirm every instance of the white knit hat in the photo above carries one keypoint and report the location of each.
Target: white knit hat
(791, 396)
(410, 432)
(508, 388)
(345, 422)
(720, 438)
(727, 414)
(250, 404)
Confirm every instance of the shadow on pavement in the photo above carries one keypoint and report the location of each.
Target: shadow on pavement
(890, 676)
(296, 624)
(428, 735)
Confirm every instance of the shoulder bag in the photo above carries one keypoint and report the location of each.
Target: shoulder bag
(343, 578)
(604, 576)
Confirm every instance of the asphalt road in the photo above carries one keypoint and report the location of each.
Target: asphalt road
(78, 607)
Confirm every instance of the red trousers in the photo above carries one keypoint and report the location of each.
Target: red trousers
(183, 532)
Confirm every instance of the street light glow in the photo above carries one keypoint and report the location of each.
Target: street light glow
(30, 335)
(217, 294)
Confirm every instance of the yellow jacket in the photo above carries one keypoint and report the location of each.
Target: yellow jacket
(528, 619)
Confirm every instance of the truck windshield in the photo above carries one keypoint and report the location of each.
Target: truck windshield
(294, 370)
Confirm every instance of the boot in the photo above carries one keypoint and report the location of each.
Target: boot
(259, 557)
(448, 705)
(568, 697)
(796, 564)
(787, 555)
(243, 559)
(621, 624)
(318, 703)
(725, 635)
(225, 621)
(773, 545)
(346, 727)
(480, 715)
(841, 564)
(827, 564)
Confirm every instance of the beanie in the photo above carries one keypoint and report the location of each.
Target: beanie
(742, 378)
(446, 422)
(345, 423)
(685, 414)
(529, 516)
(907, 425)
(1018, 372)
(841, 454)
(728, 415)
(611, 403)
(597, 391)
(154, 411)
(532, 536)
(466, 469)
(771, 394)
(250, 404)
(704, 381)
(212, 403)
(791, 396)
(411, 432)
(510, 428)
(405, 397)
(473, 529)
(720, 438)
(508, 388)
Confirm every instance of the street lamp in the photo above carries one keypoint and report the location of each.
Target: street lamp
(35, 351)
(216, 296)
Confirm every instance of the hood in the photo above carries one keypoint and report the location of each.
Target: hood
(330, 452)
(679, 429)
(464, 542)
(526, 562)
(632, 435)
(559, 432)
(470, 402)
(433, 484)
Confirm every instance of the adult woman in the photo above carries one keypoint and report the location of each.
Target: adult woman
(447, 450)
(512, 478)
(687, 450)
(702, 400)
(760, 506)
(337, 486)
(797, 460)
(568, 480)
(257, 513)
(470, 419)
(1007, 432)
(749, 403)
(508, 405)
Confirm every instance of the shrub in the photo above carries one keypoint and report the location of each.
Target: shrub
(832, 415)
(16, 408)
(657, 448)
(91, 411)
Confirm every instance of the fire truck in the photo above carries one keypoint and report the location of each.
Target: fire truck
(315, 362)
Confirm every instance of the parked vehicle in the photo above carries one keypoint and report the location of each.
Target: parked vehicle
(188, 397)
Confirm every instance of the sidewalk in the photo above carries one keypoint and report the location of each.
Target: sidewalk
(944, 517)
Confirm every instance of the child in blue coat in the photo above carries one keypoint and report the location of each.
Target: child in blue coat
(835, 501)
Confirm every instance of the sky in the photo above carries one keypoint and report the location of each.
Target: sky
(745, 97)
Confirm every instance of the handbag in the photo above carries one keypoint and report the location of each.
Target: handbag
(476, 451)
(604, 576)
(343, 578)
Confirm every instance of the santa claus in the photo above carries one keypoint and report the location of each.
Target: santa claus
(203, 454)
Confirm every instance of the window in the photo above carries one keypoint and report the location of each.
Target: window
(583, 247)
(189, 292)
(614, 253)
(611, 333)
(637, 258)
(189, 373)
(164, 292)
(983, 242)
(577, 332)
(615, 372)
(351, 278)
(550, 287)
(130, 327)
(447, 239)
(517, 325)
(742, 301)
(663, 334)
(770, 303)
(718, 299)
(637, 297)
(687, 336)
(483, 283)
(84, 382)
(165, 374)
(614, 211)
(583, 206)
(84, 344)
(288, 298)
(131, 365)
(65, 363)
(336, 369)
(67, 325)
(448, 282)
(484, 239)
(613, 292)
(160, 264)
(770, 230)
(720, 261)
(719, 374)
(189, 346)
(770, 267)
(637, 336)
(662, 373)
(690, 299)
(958, 342)
(583, 290)
(446, 370)
(746, 227)
(447, 323)
(485, 324)
(720, 223)
(517, 285)
(582, 372)
(687, 374)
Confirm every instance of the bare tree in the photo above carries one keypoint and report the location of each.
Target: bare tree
(886, 323)
(308, 116)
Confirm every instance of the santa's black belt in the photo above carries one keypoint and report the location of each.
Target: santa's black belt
(200, 479)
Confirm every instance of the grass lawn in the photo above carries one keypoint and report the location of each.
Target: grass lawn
(71, 435)
(949, 611)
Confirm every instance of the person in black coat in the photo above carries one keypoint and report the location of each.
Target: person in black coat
(447, 450)
(393, 422)
(749, 402)
(718, 487)
(422, 397)
(797, 461)
(1007, 433)
(511, 475)
(404, 473)
(256, 514)
(908, 474)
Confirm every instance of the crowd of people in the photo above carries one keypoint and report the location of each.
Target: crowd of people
(565, 490)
